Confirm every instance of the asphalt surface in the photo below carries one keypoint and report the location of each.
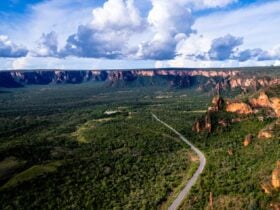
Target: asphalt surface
(195, 177)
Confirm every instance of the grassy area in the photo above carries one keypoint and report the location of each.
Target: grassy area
(32, 173)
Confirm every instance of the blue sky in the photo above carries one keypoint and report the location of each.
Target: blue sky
(98, 34)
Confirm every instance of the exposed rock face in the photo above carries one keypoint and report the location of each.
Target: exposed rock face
(248, 139)
(268, 131)
(198, 126)
(204, 124)
(208, 123)
(265, 134)
(239, 108)
(253, 82)
(207, 80)
(263, 101)
(218, 104)
(276, 177)
(275, 105)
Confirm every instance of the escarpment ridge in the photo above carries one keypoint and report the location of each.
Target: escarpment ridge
(202, 79)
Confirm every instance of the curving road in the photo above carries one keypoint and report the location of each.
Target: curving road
(194, 178)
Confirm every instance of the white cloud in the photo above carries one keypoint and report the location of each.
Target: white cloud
(213, 3)
(20, 63)
(47, 45)
(117, 22)
(10, 49)
(108, 33)
(63, 17)
(194, 45)
(257, 24)
(276, 63)
(117, 15)
(118, 30)
(170, 22)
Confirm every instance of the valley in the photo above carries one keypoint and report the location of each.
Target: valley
(93, 143)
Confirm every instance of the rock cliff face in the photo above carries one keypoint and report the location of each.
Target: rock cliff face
(276, 177)
(239, 108)
(204, 124)
(207, 80)
(263, 101)
(209, 121)
(262, 105)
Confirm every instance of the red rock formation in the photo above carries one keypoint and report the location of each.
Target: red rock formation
(275, 105)
(265, 134)
(248, 139)
(276, 177)
(239, 108)
(203, 124)
(208, 123)
(263, 101)
(217, 104)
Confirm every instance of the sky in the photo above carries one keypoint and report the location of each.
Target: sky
(117, 34)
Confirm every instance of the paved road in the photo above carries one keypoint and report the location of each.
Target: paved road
(193, 180)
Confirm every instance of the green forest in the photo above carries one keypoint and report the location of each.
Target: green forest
(88, 146)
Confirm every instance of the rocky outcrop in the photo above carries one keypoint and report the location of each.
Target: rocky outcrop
(275, 105)
(218, 104)
(204, 124)
(272, 105)
(263, 101)
(265, 134)
(254, 83)
(276, 177)
(248, 139)
(239, 108)
(269, 130)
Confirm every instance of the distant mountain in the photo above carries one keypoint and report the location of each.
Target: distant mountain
(202, 79)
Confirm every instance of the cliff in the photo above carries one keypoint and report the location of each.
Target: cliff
(206, 80)
(239, 108)
(262, 105)
(263, 101)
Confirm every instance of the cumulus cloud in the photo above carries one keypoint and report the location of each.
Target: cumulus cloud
(171, 22)
(222, 48)
(117, 22)
(108, 33)
(89, 43)
(116, 15)
(47, 45)
(258, 54)
(10, 50)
